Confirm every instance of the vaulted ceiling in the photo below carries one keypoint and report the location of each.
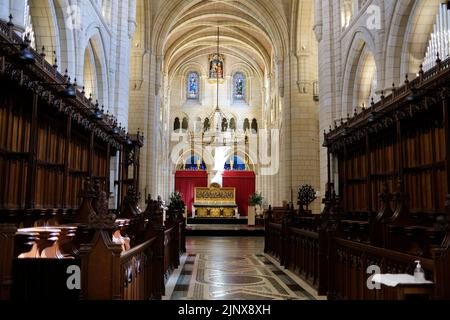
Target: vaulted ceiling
(253, 31)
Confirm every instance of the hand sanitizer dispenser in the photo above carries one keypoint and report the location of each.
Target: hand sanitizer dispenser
(419, 274)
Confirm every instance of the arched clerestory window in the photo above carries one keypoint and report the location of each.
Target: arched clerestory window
(206, 125)
(176, 124)
(193, 86)
(239, 86)
(233, 124)
(224, 125)
(246, 125)
(254, 126)
(185, 124)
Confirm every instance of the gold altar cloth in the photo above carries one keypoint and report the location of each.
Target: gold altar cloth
(215, 202)
(215, 196)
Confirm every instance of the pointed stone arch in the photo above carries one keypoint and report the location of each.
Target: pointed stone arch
(402, 47)
(94, 49)
(360, 59)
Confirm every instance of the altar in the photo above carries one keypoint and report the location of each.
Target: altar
(215, 202)
(243, 183)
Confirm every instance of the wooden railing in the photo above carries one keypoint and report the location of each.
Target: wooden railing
(171, 248)
(109, 273)
(302, 249)
(119, 259)
(316, 248)
(141, 271)
(352, 261)
(272, 243)
(138, 268)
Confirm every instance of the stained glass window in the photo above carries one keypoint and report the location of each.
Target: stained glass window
(216, 66)
(239, 86)
(194, 163)
(234, 163)
(192, 89)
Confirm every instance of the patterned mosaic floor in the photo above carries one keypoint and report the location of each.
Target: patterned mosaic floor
(220, 270)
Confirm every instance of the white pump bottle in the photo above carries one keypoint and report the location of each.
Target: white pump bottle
(419, 274)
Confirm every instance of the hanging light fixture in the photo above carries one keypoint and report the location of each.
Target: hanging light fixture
(216, 116)
(215, 137)
(217, 112)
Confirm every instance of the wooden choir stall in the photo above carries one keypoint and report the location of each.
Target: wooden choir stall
(57, 151)
(387, 200)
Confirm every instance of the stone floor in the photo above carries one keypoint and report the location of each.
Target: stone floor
(214, 227)
(233, 268)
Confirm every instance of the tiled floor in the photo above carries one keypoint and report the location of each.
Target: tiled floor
(223, 227)
(233, 268)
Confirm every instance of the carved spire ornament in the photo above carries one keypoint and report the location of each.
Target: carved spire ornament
(102, 219)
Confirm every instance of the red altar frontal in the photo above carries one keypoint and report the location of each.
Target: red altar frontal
(186, 182)
(244, 183)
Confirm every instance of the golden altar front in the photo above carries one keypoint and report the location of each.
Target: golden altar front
(215, 202)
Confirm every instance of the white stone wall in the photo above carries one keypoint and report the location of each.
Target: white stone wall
(68, 28)
(280, 95)
(250, 108)
(180, 107)
(144, 100)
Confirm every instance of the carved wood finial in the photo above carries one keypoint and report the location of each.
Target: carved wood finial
(55, 63)
(10, 23)
(400, 198)
(154, 212)
(102, 219)
(386, 198)
(438, 58)
(269, 214)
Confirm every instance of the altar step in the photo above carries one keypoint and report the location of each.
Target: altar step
(217, 221)
(222, 230)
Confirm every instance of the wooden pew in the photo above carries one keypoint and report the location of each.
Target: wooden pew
(132, 273)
